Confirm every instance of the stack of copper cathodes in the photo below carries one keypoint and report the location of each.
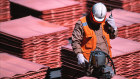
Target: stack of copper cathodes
(34, 39)
(61, 12)
(4, 10)
(13, 67)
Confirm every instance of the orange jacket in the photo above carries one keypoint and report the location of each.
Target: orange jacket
(89, 39)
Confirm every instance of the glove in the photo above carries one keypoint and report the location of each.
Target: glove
(81, 59)
(111, 22)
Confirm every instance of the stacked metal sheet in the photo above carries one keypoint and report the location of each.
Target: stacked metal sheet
(130, 5)
(62, 12)
(12, 67)
(4, 10)
(128, 65)
(83, 3)
(125, 55)
(70, 68)
(128, 24)
(34, 39)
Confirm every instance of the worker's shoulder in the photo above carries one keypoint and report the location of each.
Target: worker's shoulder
(79, 21)
(82, 17)
(78, 25)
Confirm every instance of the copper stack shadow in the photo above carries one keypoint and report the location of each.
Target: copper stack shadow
(4, 10)
(34, 39)
(125, 55)
(70, 68)
(128, 24)
(16, 68)
(129, 5)
(61, 12)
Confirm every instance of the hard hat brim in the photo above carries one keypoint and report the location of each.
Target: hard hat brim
(99, 19)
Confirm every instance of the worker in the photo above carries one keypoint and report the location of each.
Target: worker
(93, 32)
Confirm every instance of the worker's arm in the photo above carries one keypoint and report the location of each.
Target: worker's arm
(77, 37)
(111, 28)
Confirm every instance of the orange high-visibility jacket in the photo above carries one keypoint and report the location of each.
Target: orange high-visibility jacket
(89, 39)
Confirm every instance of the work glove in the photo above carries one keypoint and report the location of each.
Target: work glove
(81, 59)
(111, 22)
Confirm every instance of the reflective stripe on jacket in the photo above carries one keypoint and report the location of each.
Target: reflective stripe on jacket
(89, 39)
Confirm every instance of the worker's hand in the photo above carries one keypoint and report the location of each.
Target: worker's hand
(111, 22)
(81, 59)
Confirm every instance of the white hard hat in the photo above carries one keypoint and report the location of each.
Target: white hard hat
(99, 11)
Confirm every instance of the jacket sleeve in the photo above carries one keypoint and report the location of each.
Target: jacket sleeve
(77, 37)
